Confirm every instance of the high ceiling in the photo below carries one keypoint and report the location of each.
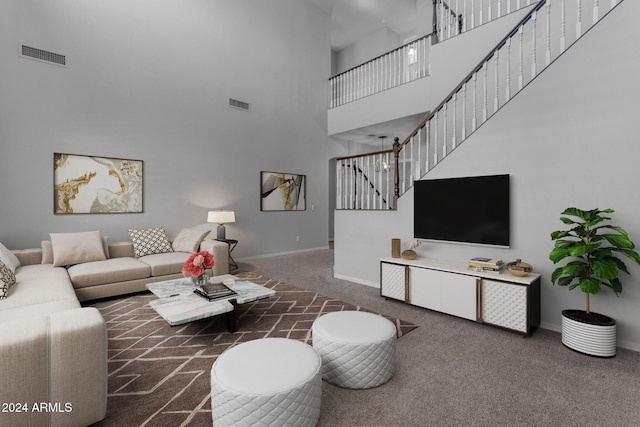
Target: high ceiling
(354, 19)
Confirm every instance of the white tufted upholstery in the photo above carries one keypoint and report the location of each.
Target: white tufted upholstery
(358, 349)
(267, 382)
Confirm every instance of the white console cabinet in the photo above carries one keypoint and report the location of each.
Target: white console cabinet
(502, 300)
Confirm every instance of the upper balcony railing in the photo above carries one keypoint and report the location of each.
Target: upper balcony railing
(395, 68)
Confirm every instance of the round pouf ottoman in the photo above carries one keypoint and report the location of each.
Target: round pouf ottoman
(358, 349)
(266, 382)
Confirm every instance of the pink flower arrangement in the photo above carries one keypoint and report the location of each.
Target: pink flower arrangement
(197, 263)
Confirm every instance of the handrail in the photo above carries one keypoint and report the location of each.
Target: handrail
(381, 56)
(477, 68)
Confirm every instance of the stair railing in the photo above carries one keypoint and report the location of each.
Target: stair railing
(535, 42)
(454, 17)
(397, 67)
(545, 33)
(368, 181)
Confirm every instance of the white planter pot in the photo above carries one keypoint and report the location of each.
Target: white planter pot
(592, 338)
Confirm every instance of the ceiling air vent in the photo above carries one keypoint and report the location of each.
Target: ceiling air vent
(241, 105)
(42, 55)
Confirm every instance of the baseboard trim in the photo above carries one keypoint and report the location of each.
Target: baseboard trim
(356, 280)
(271, 255)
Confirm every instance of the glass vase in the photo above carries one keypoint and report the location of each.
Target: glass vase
(199, 280)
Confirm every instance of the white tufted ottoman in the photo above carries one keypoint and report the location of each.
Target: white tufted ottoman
(358, 349)
(269, 381)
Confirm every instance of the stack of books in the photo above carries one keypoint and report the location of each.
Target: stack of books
(490, 265)
(214, 291)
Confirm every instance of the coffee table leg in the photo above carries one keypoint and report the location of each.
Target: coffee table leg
(231, 317)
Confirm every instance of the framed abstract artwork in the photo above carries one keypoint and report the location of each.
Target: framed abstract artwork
(281, 191)
(90, 184)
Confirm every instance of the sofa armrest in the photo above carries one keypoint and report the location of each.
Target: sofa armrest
(220, 252)
(24, 371)
(78, 360)
(29, 256)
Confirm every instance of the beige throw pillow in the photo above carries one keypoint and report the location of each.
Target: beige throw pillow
(76, 248)
(47, 250)
(189, 239)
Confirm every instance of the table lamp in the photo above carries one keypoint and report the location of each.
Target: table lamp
(221, 217)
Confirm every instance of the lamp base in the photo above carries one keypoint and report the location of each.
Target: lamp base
(221, 232)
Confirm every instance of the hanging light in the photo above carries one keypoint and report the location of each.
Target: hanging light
(382, 165)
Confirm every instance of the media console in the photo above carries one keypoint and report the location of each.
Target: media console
(502, 300)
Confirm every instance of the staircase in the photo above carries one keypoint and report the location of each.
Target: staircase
(543, 35)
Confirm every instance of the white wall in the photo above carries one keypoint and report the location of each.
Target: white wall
(150, 80)
(569, 139)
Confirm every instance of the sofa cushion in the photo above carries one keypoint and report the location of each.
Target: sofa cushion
(47, 250)
(150, 241)
(189, 239)
(7, 279)
(162, 264)
(39, 283)
(9, 258)
(76, 248)
(112, 270)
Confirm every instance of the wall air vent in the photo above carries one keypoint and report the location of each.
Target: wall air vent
(240, 105)
(42, 55)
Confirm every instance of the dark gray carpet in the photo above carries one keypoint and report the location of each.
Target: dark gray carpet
(454, 372)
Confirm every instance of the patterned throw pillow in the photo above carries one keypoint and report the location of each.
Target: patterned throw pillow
(150, 241)
(7, 279)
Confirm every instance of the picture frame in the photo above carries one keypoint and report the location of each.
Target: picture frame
(280, 191)
(84, 184)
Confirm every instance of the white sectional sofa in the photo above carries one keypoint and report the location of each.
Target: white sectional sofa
(53, 351)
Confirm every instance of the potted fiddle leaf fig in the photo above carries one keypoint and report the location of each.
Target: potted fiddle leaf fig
(592, 248)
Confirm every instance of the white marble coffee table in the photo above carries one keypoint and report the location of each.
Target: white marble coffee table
(178, 304)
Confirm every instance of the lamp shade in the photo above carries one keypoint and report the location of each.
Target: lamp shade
(221, 217)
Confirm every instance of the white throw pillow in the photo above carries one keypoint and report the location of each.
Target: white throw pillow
(7, 279)
(150, 241)
(9, 258)
(76, 248)
(47, 250)
(189, 239)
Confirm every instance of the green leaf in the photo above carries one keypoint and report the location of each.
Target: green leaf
(564, 281)
(556, 274)
(597, 220)
(616, 286)
(558, 254)
(559, 234)
(629, 254)
(613, 227)
(605, 268)
(576, 212)
(619, 241)
(567, 220)
(565, 243)
(572, 287)
(590, 285)
(581, 249)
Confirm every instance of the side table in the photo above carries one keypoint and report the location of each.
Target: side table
(232, 244)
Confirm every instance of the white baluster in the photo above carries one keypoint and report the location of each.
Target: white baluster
(474, 115)
(496, 82)
(534, 68)
(547, 55)
(489, 16)
(464, 19)
(463, 130)
(435, 139)
(563, 27)
(444, 130)
(454, 127)
(485, 94)
(508, 7)
(480, 18)
(521, 59)
(499, 7)
(508, 88)
(596, 12)
(473, 17)
(579, 19)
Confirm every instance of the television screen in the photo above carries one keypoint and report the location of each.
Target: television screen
(469, 210)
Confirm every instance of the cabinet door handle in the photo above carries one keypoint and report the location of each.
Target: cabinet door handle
(407, 286)
(479, 300)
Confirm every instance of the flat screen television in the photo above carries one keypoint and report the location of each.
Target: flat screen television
(466, 210)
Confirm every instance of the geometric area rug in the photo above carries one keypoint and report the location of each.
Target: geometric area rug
(159, 375)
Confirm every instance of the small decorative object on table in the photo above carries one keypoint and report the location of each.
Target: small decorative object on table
(395, 248)
(196, 266)
(519, 268)
(410, 253)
